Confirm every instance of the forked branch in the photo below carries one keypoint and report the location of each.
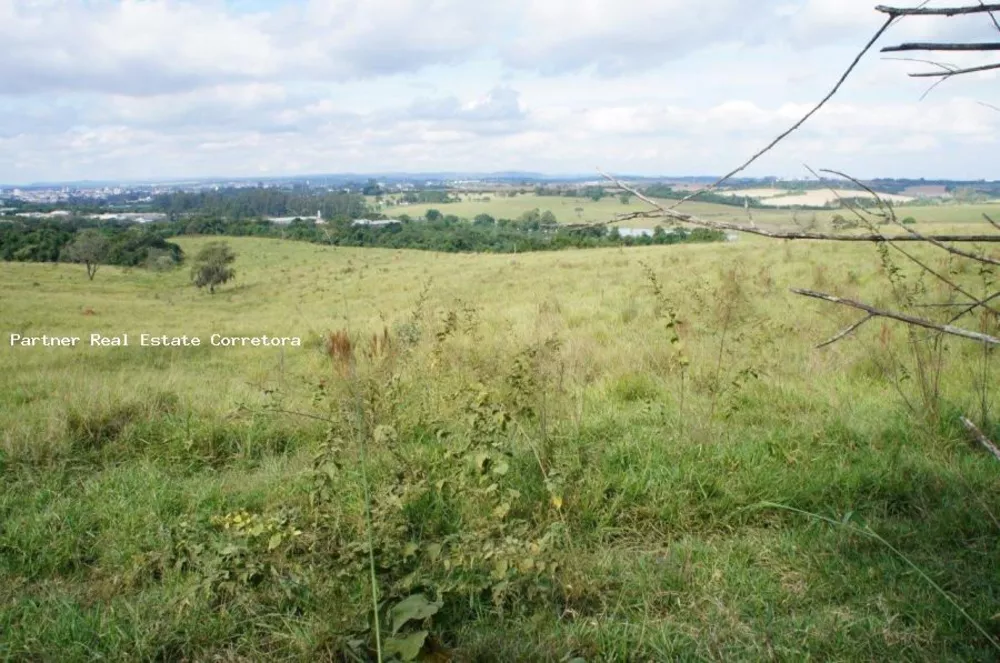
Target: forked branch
(902, 317)
(846, 332)
(954, 72)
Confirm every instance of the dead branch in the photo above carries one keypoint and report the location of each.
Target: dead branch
(902, 317)
(891, 216)
(822, 102)
(983, 258)
(954, 72)
(973, 307)
(917, 235)
(846, 332)
(682, 217)
(929, 46)
(980, 437)
(992, 222)
(996, 24)
(944, 65)
(895, 12)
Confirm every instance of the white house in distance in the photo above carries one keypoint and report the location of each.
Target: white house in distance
(289, 219)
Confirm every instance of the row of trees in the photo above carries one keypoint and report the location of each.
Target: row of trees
(78, 240)
(446, 233)
(237, 204)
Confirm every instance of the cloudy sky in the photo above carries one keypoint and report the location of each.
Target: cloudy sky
(147, 89)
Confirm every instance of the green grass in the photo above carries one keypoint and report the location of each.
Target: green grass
(540, 459)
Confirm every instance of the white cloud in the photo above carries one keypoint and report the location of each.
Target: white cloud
(150, 88)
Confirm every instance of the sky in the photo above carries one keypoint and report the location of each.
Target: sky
(170, 89)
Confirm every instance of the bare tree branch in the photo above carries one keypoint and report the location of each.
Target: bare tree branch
(980, 437)
(973, 307)
(992, 222)
(902, 317)
(895, 12)
(846, 332)
(829, 95)
(931, 46)
(918, 236)
(944, 65)
(891, 216)
(955, 72)
(993, 17)
(983, 258)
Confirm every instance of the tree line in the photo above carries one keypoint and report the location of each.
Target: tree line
(124, 244)
(148, 244)
(440, 232)
(251, 203)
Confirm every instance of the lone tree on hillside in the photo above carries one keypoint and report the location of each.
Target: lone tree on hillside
(211, 266)
(90, 247)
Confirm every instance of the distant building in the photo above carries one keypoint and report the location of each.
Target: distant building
(635, 232)
(44, 215)
(374, 222)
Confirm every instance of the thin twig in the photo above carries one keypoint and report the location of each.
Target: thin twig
(928, 238)
(902, 317)
(944, 65)
(992, 222)
(802, 120)
(980, 437)
(892, 217)
(993, 17)
(846, 332)
(955, 72)
(973, 307)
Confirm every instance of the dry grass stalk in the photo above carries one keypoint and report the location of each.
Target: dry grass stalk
(340, 349)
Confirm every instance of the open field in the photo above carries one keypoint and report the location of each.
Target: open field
(540, 455)
(607, 208)
(812, 198)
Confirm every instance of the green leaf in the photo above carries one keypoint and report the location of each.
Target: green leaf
(274, 541)
(406, 648)
(412, 607)
(501, 468)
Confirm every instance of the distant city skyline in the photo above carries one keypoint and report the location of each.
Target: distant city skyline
(122, 90)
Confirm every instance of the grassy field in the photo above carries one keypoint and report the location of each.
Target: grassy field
(606, 455)
(585, 210)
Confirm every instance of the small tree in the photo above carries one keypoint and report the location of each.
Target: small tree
(91, 248)
(211, 266)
